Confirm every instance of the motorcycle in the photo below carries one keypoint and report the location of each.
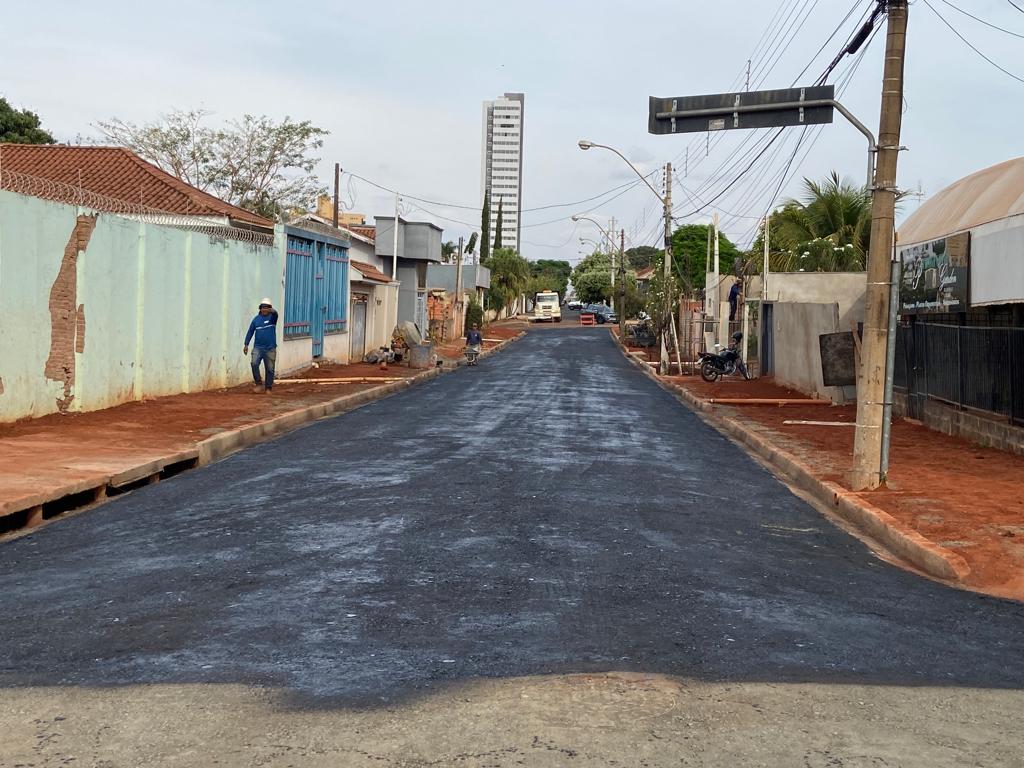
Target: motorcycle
(471, 353)
(725, 363)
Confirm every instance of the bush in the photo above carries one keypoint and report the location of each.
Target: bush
(474, 314)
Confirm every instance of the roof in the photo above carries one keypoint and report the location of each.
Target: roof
(645, 274)
(370, 233)
(988, 195)
(121, 174)
(370, 272)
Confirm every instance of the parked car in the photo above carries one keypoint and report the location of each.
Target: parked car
(575, 304)
(602, 313)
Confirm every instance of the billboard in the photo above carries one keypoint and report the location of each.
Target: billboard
(935, 275)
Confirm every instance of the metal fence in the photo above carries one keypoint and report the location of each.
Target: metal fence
(975, 367)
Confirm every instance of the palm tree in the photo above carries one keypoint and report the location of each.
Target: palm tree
(828, 230)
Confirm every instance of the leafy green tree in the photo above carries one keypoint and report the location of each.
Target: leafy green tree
(474, 314)
(592, 278)
(642, 256)
(255, 163)
(690, 253)
(20, 126)
(827, 230)
(448, 250)
(510, 274)
(551, 275)
(485, 227)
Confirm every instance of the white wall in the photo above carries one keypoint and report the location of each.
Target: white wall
(997, 262)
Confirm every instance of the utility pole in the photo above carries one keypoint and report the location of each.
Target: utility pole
(457, 309)
(610, 237)
(394, 252)
(663, 366)
(867, 446)
(622, 285)
(337, 178)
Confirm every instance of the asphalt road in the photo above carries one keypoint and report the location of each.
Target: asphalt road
(551, 515)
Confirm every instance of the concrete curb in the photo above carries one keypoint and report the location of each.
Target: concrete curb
(219, 446)
(898, 538)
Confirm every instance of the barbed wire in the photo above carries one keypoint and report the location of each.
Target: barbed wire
(59, 192)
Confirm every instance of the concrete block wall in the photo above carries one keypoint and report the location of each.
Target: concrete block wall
(100, 309)
(989, 431)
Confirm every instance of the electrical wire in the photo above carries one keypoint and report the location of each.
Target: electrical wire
(970, 45)
(982, 21)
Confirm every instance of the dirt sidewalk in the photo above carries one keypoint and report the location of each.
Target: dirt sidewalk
(962, 497)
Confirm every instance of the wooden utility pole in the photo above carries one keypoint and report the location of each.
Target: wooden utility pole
(458, 307)
(622, 285)
(867, 446)
(337, 181)
(663, 366)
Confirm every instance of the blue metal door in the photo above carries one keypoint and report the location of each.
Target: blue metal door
(319, 302)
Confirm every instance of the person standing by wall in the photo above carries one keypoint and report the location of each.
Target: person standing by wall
(734, 297)
(263, 334)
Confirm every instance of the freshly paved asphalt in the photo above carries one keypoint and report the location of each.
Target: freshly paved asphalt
(551, 510)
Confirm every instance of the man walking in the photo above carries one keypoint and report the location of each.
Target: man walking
(264, 347)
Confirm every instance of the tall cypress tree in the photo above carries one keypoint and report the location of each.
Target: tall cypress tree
(497, 234)
(485, 228)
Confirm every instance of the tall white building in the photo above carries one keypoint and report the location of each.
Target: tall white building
(502, 165)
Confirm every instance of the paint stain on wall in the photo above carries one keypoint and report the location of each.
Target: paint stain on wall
(66, 316)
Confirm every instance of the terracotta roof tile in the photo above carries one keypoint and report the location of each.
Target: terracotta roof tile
(645, 274)
(370, 272)
(120, 173)
(369, 232)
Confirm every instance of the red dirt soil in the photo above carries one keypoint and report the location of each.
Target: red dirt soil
(961, 496)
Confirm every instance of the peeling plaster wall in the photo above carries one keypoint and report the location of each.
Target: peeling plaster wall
(166, 309)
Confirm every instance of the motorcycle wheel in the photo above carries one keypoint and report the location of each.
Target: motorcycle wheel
(708, 372)
(743, 370)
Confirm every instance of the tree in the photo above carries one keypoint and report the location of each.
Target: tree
(551, 275)
(642, 256)
(828, 230)
(510, 274)
(20, 126)
(498, 228)
(253, 162)
(592, 278)
(448, 250)
(690, 253)
(485, 227)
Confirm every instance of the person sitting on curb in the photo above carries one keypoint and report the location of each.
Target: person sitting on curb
(264, 347)
(474, 339)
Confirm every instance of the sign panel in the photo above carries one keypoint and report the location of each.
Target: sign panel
(747, 109)
(935, 275)
(838, 361)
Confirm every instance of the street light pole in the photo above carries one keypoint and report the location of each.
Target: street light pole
(622, 285)
(666, 202)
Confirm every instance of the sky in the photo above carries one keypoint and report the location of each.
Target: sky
(399, 86)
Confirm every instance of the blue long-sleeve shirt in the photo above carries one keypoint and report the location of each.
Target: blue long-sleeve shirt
(264, 328)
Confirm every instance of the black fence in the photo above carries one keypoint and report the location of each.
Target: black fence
(966, 366)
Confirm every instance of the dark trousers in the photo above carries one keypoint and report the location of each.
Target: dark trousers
(268, 357)
(732, 310)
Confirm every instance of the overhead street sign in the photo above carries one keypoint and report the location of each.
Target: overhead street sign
(748, 109)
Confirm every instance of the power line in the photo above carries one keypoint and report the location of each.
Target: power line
(477, 207)
(982, 21)
(970, 45)
(1015, 6)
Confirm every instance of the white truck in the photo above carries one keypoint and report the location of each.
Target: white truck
(546, 306)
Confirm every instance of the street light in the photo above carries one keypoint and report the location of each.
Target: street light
(666, 202)
(622, 263)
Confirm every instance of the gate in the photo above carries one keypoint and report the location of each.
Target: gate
(359, 303)
(316, 284)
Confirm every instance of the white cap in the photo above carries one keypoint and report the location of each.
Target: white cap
(266, 301)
